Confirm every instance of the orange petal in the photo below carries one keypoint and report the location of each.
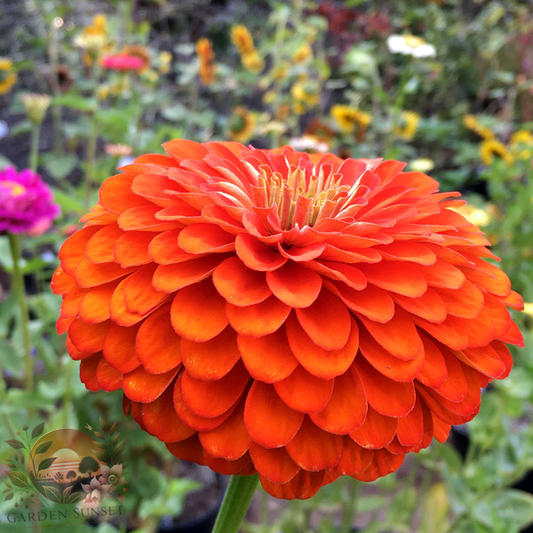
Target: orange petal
(465, 302)
(387, 364)
(119, 348)
(74, 353)
(433, 372)
(347, 274)
(294, 285)
(202, 238)
(382, 463)
(190, 449)
(377, 431)
(238, 284)
(301, 254)
(157, 345)
(326, 321)
(274, 464)
(452, 332)
(499, 315)
(131, 249)
(488, 278)
(164, 249)
(314, 449)
(372, 302)
(229, 468)
(61, 282)
(107, 377)
(302, 486)
(267, 358)
(210, 399)
(256, 255)
(347, 407)
(139, 295)
(429, 306)
(117, 307)
(71, 302)
(192, 420)
(230, 440)
(88, 337)
(484, 360)
(411, 427)
(171, 278)
(63, 324)
(408, 251)
(198, 312)
(258, 319)
(322, 363)
(143, 218)
(398, 336)
(88, 368)
(99, 248)
(455, 386)
(116, 194)
(94, 308)
(89, 275)
(304, 392)
(443, 274)
(394, 276)
(73, 250)
(160, 419)
(386, 396)
(268, 420)
(139, 386)
(212, 359)
(354, 458)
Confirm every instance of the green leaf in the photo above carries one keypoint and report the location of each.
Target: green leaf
(46, 463)
(8, 497)
(37, 430)
(67, 202)
(18, 479)
(75, 102)
(66, 492)
(43, 447)
(75, 498)
(370, 503)
(15, 444)
(60, 166)
(5, 162)
(513, 507)
(52, 494)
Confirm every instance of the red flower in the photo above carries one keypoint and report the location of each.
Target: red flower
(123, 62)
(294, 315)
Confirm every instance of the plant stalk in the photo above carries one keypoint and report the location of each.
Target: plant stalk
(34, 146)
(235, 504)
(93, 138)
(18, 288)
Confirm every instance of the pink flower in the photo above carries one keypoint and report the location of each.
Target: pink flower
(96, 492)
(122, 62)
(112, 476)
(26, 202)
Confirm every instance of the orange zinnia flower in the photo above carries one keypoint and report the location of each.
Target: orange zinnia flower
(295, 315)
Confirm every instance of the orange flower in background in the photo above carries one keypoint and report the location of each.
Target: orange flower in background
(295, 315)
(206, 69)
(242, 40)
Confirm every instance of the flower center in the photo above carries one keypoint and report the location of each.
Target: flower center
(15, 188)
(303, 198)
(112, 479)
(413, 42)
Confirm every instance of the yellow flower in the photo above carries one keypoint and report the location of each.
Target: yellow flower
(521, 144)
(103, 92)
(269, 97)
(410, 121)
(280, 72)
(423, 164)
(93, 38)
(528, 308)
(476, 215)
(206, 70)
(253, 61)
(242, 39)
(8, 77)
(306, 93)
(164, 60)
(302, 54)
(471, 122)
(491, 147)
(348, 117)
(241, 125)
(35, 106)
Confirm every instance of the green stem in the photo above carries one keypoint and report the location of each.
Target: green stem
(236, 501)
(349, 510)
(18, 287)
(34, 146)
(93, 137)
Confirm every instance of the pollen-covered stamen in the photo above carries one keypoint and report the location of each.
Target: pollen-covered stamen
(16, 189)
(301, 199)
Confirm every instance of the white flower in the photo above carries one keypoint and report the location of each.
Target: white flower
(424, 164)
(410, 45)
(309, 142)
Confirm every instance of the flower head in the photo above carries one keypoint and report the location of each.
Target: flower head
(165, 61)
(309, 143)
(300, 316)
(93, 38)
(111, 476)
(123, 62)
(410, 45)
(26, 202)
(35, 106)
(409, 125)
(206, 69)
(8, 76)
(303, 53)
(491, 147)
(242, 39)
(241, 125)
(472, 123)
(348, 118)
(96, 492)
